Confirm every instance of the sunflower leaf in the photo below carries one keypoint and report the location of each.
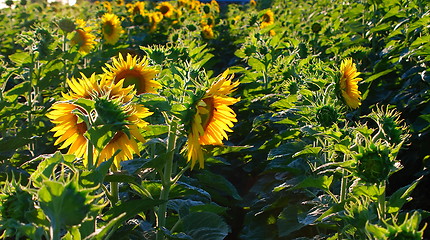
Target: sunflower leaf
(100, 136)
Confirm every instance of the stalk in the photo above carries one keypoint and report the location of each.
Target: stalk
(343, 184)
(166, 180)
(90, 155)
(114, 190)
(381, 202)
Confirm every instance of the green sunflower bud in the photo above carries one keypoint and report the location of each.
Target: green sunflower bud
(67, 25)
(374, 163)
(18, 205)
(326, 115)
(391, 127)
(408, 230)
(316, 27)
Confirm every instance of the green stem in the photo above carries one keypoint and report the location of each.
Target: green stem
(166, 180)
(343, 184)
(54, 231)
(90, 155)
(114, 193)
(381, 202)
(30, 99)
(114, 190)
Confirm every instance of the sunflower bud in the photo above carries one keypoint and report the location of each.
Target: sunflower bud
(67, 25)
(17, 205)
(316, 27)
(326, 116)
(408, 230)
(374, 163)
(391, 127)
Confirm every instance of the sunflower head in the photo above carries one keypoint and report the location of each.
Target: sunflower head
(267, 19)
(215, 5)
(212, 119)
(111, 28)
(208, 20)
(101, 112)
(348, 84)
(136, 8)
(132, 71)
(207, 8)
(207, 32)
(166, 9)
(107, 5)
(83, 38)
(252, 3)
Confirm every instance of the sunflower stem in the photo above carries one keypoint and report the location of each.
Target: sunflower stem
(343, 184)
(90, 155)
(166, 180)
(114, 190)
(381, 202)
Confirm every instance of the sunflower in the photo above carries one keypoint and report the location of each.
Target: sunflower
(207, 32)
(136, 8)
(208, 19)
(267, 19)
(155, 18)
(107, 5)
(348, 83)
(252, 3)
(111, 28)
(215, 4)
(213, 118)
(112, 104)
(133, 72)
(166, 9)
(83, 37)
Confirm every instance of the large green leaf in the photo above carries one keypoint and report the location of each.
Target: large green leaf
(205, 226)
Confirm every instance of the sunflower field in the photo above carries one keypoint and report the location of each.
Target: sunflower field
(206, 120)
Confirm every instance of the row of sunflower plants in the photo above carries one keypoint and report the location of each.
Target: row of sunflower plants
(115, 119)
(328, 167)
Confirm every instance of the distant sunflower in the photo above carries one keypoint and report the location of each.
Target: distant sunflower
(213, 118)
(166, 9)
(207, 32)
(133, 72)
(267, 19)
(114, 106)
(348, 83)
(107, 5)
(155, 18)
(136, 8)
(111, 28)
(252, 3)
(83, 37)
(215, 4)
